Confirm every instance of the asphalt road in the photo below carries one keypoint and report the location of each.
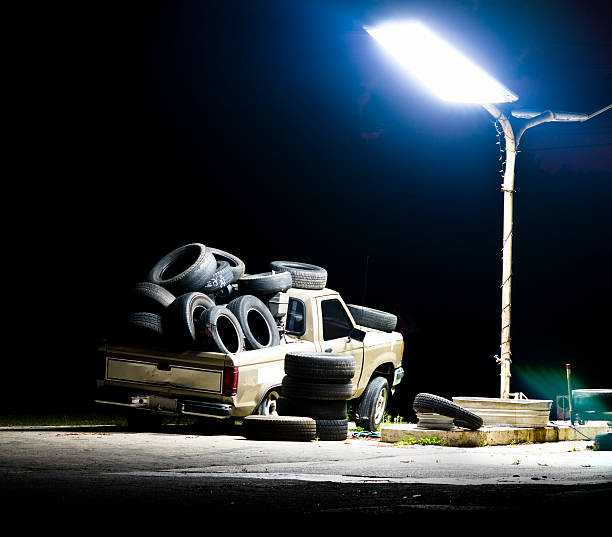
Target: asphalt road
(185, 472)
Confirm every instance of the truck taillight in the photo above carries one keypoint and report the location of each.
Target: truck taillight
(230, 381)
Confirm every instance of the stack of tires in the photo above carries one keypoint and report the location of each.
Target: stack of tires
(196, 296)
(426, 404)
(317, 386)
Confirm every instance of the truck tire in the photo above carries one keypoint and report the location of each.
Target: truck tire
(303, 275)
(320, 365)
(257, 323)
(372, 318)
(291, 428)
(145, 326)
(311, 408)
(219, 325)
(151, 297)
(427, 402)
(265, 283)
(269, 405)
(373, 404)
(222, 277)
(236, 264)
(185, 269)
(326, 391)
(331, 429)
(182, 315)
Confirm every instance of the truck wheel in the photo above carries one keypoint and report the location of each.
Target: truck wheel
(317, 410)
(265, 283)
(377, 319)
(332, 429)
(427, 402)
(222, 277)
(181, 316)
(145, 326)
(269, 405)
(184, 269)
(293, 428)
(257, 323)
(151, 297)
(220, 325)
(236, 264)
(320, 365)
(372, 404)
(326, 391)
(303, 275)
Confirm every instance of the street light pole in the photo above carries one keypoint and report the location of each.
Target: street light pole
(511, 138)
(452, 77)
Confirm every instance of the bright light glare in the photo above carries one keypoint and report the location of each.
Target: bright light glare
(450, 75)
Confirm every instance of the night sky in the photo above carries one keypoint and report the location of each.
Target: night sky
(279, 130)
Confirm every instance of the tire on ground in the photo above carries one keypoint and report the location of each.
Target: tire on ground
(312, 408)
(303, 275)
(427, 402)
(292, 428)
(183, 314)
(320, 365)
(332, 429)
(372, 318)
(372, 404)
(325, 391)
(258, 325)
(265, 283)
(220, 326)
(184, 269)
(151, 297)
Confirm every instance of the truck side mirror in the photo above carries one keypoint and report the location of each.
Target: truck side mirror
(357, 334)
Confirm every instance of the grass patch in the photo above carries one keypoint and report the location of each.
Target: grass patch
(60, 418)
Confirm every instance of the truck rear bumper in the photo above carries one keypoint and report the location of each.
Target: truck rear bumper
(165, 405)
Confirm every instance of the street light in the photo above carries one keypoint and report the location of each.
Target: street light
(452, 77)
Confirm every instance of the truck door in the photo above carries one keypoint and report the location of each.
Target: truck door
(333, 336)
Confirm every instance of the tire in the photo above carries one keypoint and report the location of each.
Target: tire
(220, 325)
(331, 429)
(225, 294)
(596, 400)
(265, 283)
(236, 264)
(221, 278)
(320, 366)
(292, 428)
(377, 319)
(325, 391)
(303, 275)
(372, 404)
(315, 409)
(151, 297)
(257, 323)
(185, 269)
(269, 405)
(182, 315)
(145, 326)
(427, 402)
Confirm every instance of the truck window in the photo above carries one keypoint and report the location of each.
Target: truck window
(296, 322)
(336, 322)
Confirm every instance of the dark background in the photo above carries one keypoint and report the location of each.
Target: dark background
(278, 130)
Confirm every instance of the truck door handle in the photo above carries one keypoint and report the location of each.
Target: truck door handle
(328, 349)
(163, 367)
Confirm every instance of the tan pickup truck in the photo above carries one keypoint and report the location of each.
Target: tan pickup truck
(153, 381)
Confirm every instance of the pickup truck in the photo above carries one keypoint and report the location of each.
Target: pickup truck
(153, 381)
